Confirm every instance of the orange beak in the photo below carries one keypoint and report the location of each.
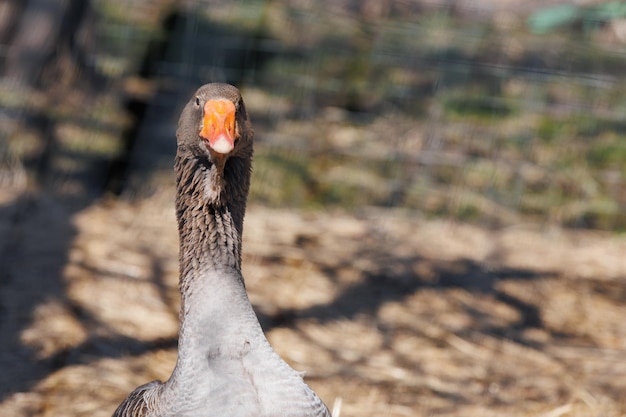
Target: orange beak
(218, 125)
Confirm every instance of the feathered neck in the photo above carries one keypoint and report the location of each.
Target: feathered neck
(210, 207)
(216, 317)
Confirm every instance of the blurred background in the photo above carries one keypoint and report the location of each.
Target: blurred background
(437, 210)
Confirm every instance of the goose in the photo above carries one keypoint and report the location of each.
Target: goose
(226, 366)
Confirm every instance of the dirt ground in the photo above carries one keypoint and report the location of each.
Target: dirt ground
(388, 314)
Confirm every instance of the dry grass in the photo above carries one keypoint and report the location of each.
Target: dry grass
(387, 314)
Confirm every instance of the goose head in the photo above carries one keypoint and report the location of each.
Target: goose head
(214, 125)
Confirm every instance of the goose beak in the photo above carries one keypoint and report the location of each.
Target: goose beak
(218, 126)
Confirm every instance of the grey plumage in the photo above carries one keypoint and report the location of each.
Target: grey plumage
(225, 367)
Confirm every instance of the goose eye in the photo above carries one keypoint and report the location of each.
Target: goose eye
(198, 101)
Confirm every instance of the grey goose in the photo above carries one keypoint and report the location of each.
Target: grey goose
(226, 366)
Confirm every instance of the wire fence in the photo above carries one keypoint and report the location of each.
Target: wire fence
(468, 110)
